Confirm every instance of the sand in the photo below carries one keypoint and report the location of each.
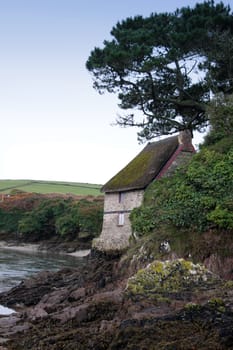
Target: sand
(34, 248)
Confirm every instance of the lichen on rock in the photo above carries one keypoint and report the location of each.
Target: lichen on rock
(169, 276)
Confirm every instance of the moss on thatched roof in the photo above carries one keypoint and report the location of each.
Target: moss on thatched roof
(144, 167)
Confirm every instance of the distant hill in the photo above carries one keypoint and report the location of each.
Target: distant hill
(37, 186)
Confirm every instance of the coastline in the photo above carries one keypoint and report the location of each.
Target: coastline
(36, 248)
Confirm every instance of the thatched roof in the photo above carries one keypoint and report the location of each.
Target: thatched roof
(144, 168)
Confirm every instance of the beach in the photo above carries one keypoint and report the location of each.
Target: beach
(36, 248)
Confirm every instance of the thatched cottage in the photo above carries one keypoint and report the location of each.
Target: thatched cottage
(125, 190)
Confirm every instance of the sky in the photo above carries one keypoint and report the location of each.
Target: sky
(54, 125)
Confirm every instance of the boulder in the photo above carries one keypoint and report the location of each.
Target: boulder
(170, 277)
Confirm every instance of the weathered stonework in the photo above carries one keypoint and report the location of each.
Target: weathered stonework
(122, 201)
(125, 190)
(115, 236)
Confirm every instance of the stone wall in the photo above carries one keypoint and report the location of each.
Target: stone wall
(121, 201)
(116, 231)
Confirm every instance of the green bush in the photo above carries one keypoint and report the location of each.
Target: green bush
(197, 197)
(63, 217)
(9, 220)
(220, 113)
(90, 215)
(222, 217)
(40, 221)
(143, 219)
(83, 216)
(67, 224)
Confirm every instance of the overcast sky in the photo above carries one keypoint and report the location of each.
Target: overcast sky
(54, 125)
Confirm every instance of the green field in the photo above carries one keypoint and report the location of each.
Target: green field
(76, 188)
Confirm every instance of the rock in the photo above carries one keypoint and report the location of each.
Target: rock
(77, 294)
(10, 325)
(78, 312)
(169, 276)
(54, 298)
(220, 265)
(70, 249)
(167, 304)
(115, 296)
(8, 322)
(36, 313)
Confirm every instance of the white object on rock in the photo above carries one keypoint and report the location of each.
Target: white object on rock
(165, 247)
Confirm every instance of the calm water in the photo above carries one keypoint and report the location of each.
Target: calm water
(15, 266)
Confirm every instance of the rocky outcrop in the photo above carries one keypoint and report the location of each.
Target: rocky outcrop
(174, 304)
(221, 265)
(170, 276)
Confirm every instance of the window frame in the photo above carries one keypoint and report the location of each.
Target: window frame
(121, 197)
(121, 219)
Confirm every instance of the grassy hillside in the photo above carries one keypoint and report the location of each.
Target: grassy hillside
(7, 186)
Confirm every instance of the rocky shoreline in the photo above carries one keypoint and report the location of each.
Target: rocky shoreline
(98, 307)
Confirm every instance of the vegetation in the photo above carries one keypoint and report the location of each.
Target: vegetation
(168, 277)
(82, 189)
(166, 66)
(63, 217)
(9, 220)
(34, 217)
(198, 198)
(220, 112)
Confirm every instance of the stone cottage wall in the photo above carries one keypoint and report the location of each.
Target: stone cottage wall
(116, 229)
(128, 200)
(115, 233)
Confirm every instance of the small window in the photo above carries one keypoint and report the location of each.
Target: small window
(121, 219)
(121, 197)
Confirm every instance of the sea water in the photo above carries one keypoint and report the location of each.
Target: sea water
(16, 266)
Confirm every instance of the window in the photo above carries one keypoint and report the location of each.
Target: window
(121, 219)
(121, 197)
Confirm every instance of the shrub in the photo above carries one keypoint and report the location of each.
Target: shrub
(221, 119)
(9, 220)
(90, 217)
(40, 221)
(63, 217)
(35, 217)
(222, 217)
(67, 224)
(198, 197)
